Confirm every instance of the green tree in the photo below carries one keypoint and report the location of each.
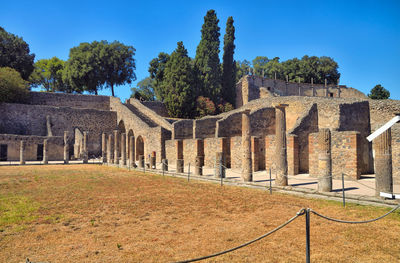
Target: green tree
(118, 63)
(260, 65)
(178, 80)
(83, 71)
(242, 68)
(144, 90)
(379, 93)
(13, 88)
(207, 58)
(14, 53)
(92, 65)
(48, 74)
(229, 64)
(156, 70)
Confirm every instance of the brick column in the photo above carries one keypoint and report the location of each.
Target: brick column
(66, 147)
(132, 151)
(293, 154)
(22, 152)
(109, 151)
(324, 161)
(123, 149)
(85, 148)
(103, 147)
(383, 163)
(247, 173)
(280, 146)
(45, 148)
(116, 160)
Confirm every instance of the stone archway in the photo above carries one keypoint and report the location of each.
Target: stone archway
(139, 147)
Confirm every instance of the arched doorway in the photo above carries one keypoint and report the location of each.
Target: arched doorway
(139, 147)
(121, 127)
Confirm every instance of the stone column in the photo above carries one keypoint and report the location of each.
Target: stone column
(324, 161)
(22, 152)
(103, 147)
(153, 160)
(131, 151)
(198, 167)
(219, 169)
(179, 156)
(123, 150)
(280, 146)
(116, 160)
(383, 163)
(66, 147)
(85, 148)
(48, 126)
(109, 152)
(45, 148)
(247, 173)
(141, 161)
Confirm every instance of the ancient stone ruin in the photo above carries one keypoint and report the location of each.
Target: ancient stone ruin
(291, 128)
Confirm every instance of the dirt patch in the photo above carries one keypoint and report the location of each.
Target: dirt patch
(90, 213)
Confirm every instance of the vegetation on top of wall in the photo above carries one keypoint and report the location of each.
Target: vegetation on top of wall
(13, 88)
(379, 93)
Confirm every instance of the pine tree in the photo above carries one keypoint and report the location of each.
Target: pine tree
(228, 64)
(207, 58)
(178, 80)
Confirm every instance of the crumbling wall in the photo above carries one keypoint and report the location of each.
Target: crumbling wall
(55, 147)
(23, 119)
(182, 129)
(95, 102)
(205, 127)
(156, 106)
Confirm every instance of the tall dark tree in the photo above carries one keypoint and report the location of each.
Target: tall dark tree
(156, 70)
(379, 93)
(207, 58)
(14, 53)
(229, 64)
(178, 81)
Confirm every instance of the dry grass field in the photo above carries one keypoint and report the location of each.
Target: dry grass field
(90, 213)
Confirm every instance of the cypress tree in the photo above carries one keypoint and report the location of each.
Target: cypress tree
(178, 80)
(207, 59)
(228, 64)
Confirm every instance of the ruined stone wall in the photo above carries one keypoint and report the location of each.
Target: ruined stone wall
(230, 125)
(346, 154)
(248, 88)
(156, 106)
(141, 126)
(23, 119)
(70, 100)
(381, 111)
(55, 147)
(144, 112)
(205, 127)
(182, 129)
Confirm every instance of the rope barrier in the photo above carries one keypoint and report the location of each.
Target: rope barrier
(354, 222)
(299, 213)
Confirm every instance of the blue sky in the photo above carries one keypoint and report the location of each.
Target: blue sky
(362, 36)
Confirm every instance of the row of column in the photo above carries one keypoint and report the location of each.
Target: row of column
(112, 157)
(22, 158)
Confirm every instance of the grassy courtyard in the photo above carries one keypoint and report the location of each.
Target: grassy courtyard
(90, 213)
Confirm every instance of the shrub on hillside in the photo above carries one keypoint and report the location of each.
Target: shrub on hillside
(12, 87)
(204, 107)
